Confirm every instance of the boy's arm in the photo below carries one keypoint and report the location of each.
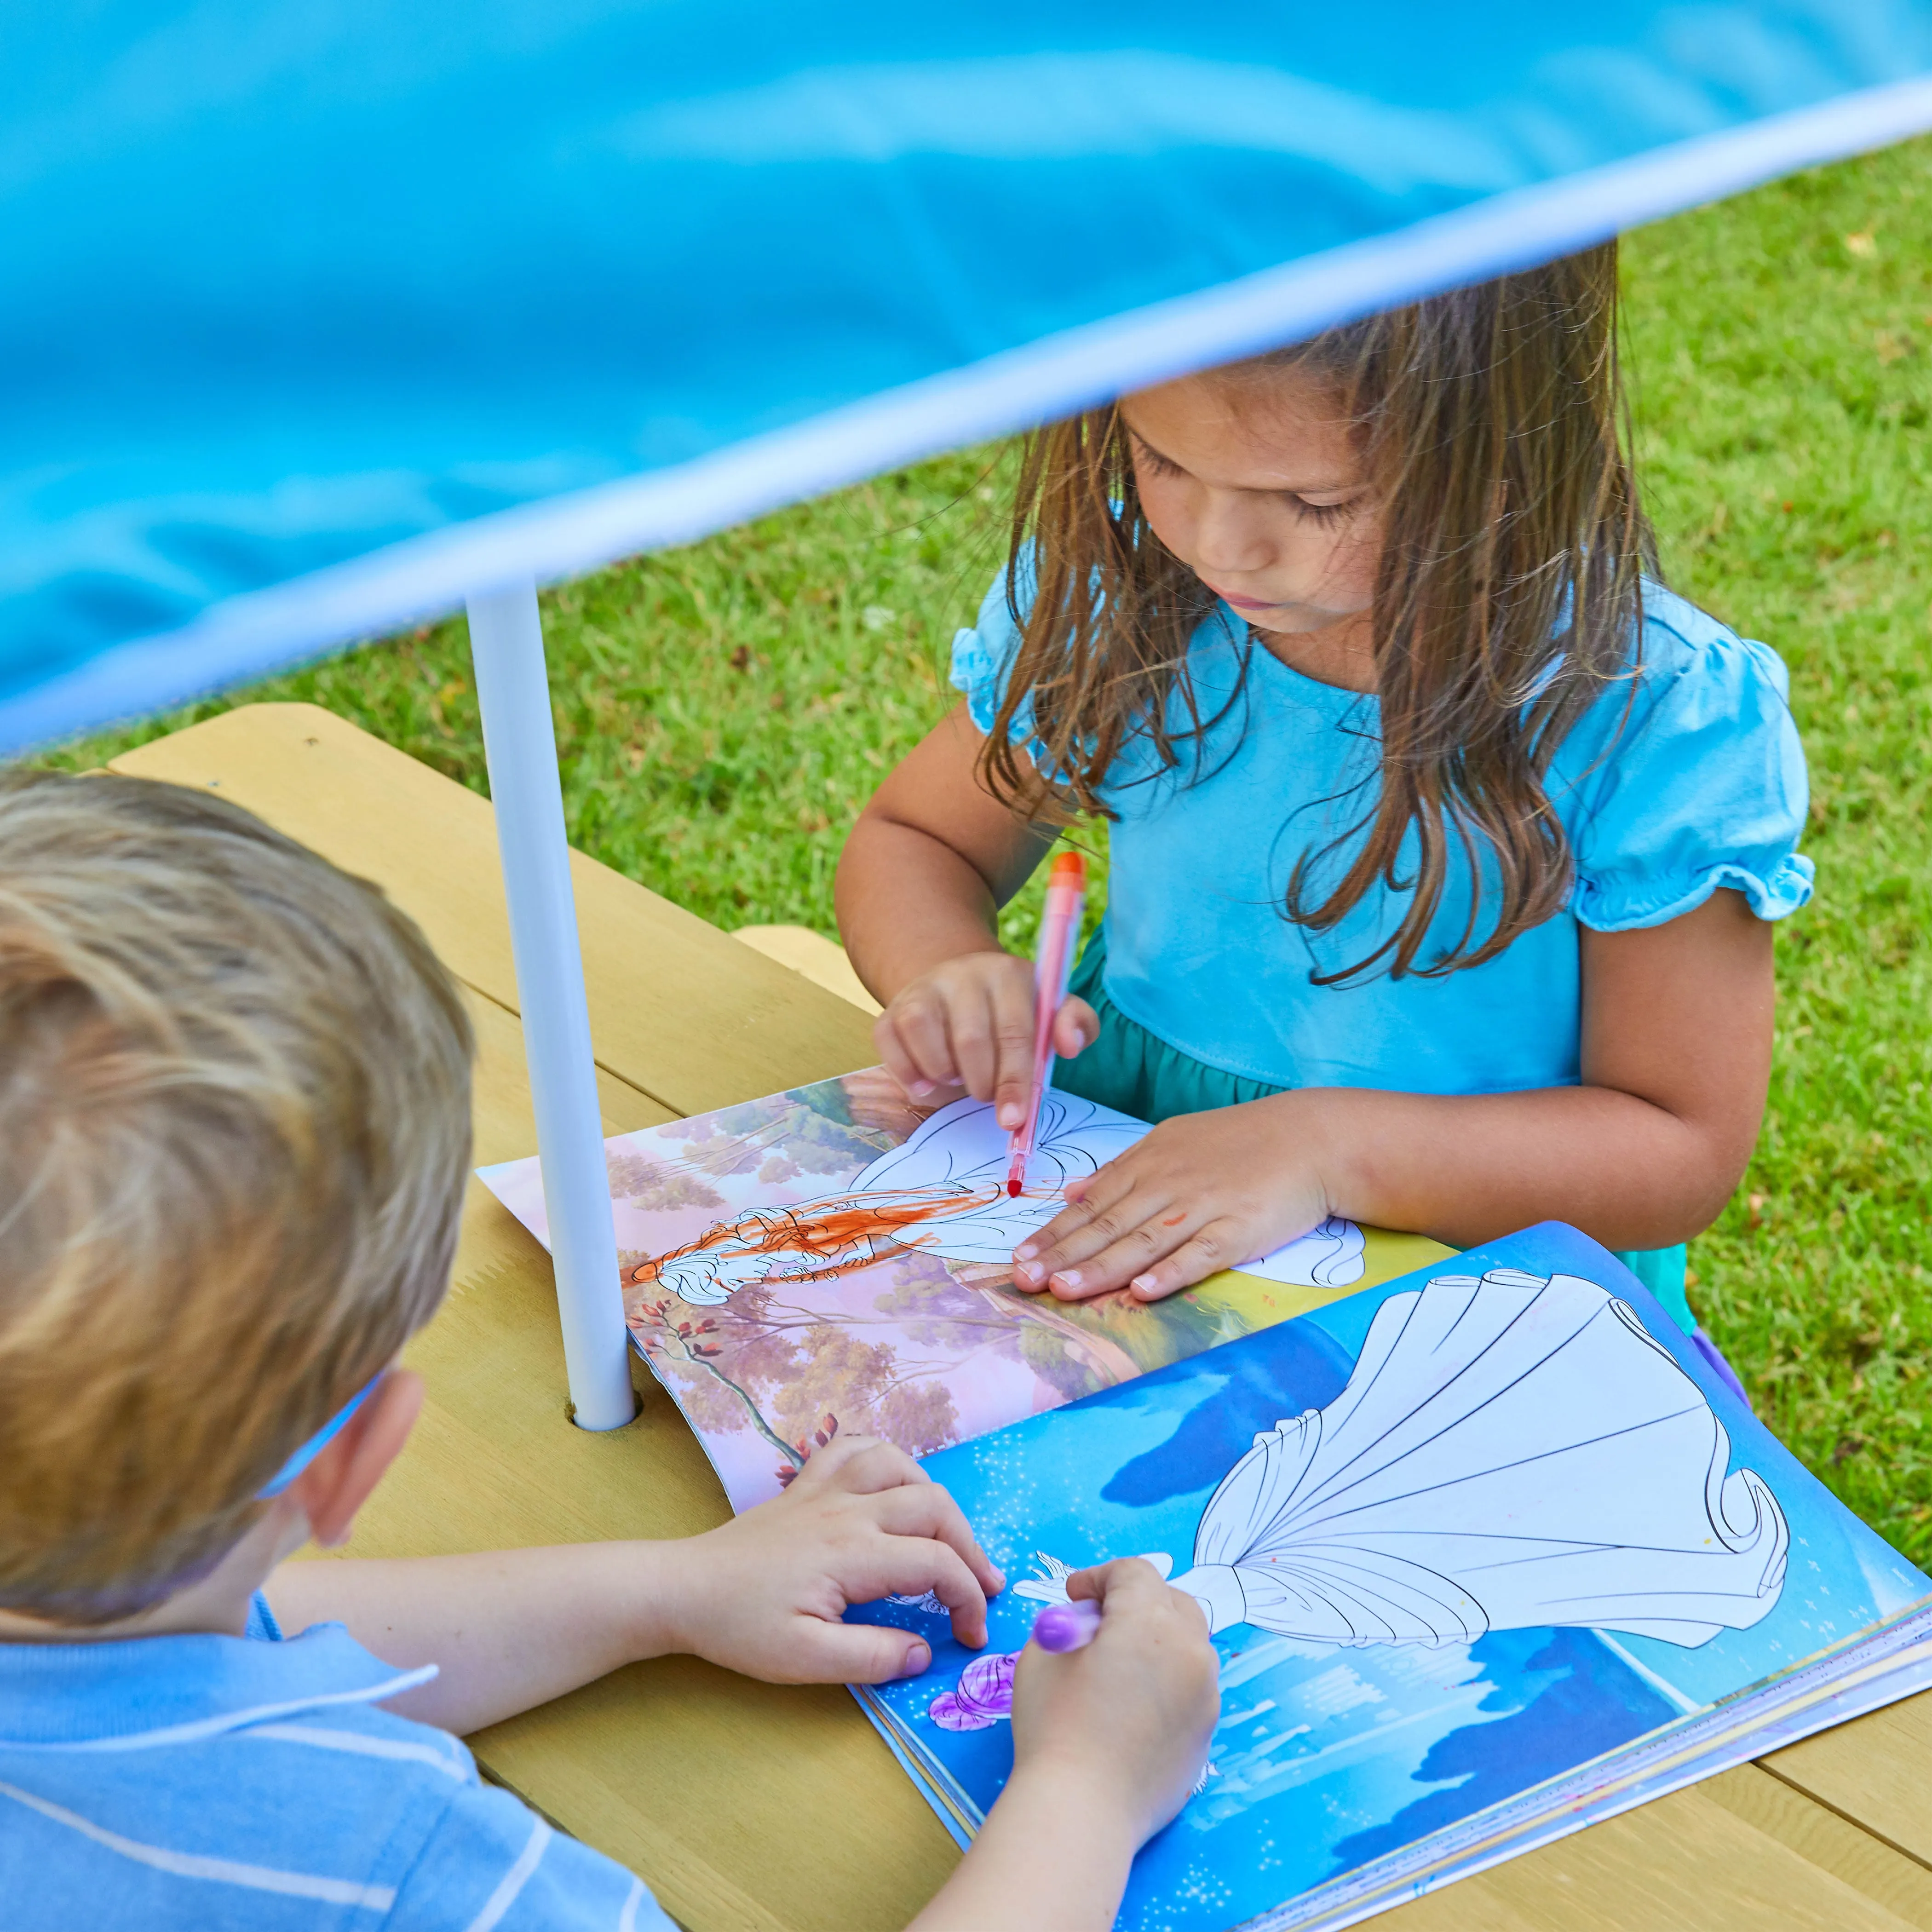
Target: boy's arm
(1107, 1741)
(1052, 1856)
(507, 1629)
(1676, 1059)
(764, 1595)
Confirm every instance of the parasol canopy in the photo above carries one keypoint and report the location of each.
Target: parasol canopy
(319, 316)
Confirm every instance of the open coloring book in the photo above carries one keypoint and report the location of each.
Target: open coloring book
(832, 1257)
(1488, 1552)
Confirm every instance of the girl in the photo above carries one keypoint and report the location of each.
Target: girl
(1445, 841)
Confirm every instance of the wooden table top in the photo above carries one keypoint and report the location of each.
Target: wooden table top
(751, 1808)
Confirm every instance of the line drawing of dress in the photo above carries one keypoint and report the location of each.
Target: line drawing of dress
(1330, 1254)
(1510, 1453)
(943, 1192)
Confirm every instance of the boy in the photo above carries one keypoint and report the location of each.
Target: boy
(234, 1135)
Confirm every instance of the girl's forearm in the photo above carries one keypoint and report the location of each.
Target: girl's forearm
(932, 858)
(1466, 1169)
(507, 1629)
(907, 901)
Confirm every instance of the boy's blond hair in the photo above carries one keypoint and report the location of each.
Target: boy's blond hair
(234, 1134)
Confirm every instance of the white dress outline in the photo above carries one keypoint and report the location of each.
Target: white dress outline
(1512, 1453)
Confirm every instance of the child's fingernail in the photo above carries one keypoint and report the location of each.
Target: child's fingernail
(1011, 1115)
(919, 1089)
(1026, 1251)
(1027, 1271)
(1068, 1278)
(1142, 1281)
(917, 1659)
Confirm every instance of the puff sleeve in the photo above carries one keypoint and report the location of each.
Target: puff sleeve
(1694, 782)
(983, 659)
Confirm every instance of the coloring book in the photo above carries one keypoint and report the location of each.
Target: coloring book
(1487, 1549)
(833, 1258)
(1488, 1552)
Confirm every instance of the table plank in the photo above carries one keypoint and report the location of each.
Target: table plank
(1874, 1769)
(1723, 1856)
(677, 1007)
(1901, 1883)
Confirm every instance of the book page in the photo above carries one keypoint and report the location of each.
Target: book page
(834, 1258)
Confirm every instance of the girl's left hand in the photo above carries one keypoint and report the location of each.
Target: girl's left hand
(1201, 1192)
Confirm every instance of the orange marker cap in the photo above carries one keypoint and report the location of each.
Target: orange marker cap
(1068, 865)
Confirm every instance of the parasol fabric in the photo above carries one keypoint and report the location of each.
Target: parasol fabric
(318, 318)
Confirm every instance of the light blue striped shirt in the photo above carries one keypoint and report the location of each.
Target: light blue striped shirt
(212, 1782)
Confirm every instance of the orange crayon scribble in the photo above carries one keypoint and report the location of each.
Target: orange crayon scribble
(840, 1235)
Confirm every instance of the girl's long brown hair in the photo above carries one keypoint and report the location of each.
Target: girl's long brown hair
(1507, 598)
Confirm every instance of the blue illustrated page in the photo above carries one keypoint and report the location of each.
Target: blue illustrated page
(1455, 1535)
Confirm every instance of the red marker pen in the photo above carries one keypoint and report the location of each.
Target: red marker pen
(1053, 966)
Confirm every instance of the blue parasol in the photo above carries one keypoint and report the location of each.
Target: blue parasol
(321, 319)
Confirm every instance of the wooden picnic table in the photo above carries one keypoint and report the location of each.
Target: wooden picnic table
(749, 1808)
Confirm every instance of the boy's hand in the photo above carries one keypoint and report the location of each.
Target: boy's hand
(764, 1594)
(1120, 1730)
(967, 1023)
(1201, 1192)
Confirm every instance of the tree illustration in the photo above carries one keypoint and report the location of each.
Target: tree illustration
(657, 1185)
(686, 1348)
(778, 1360)
(813, 1131)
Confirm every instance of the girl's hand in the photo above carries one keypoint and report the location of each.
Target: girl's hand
(968, 1023)
(1121, 1728)
(765, 1594)
(1201, 1192)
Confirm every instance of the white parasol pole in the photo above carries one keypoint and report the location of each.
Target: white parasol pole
(520, 741)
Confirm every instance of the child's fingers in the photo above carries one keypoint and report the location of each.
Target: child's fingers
(1013, 1019)
(1119, 1245)
(1114, 1233)
(1096, 1195)
(1206, 1252)
(921, 1021)
(892, 1055)
(1076, 1028)
(863, 1465)
(1135, 1254)
(1125, 1581)
(986, 1024)
(929, 1511)
(896, 1058)
(828, 1653)
(909, 1566)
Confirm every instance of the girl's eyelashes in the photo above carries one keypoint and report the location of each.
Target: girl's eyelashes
(1161, 466)
(1320, 515)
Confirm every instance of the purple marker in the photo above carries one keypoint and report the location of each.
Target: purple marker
(1060, 1627)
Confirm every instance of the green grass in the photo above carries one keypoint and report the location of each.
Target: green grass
(1784, 344)
(723, 710)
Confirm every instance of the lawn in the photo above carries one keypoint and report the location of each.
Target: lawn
(723, 710)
